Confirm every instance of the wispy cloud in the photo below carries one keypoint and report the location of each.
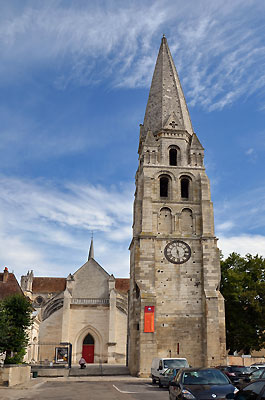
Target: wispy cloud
(218, 46)
(36, 217)
(43, 223)
(240, 223)
(240, 213)
(242, 244)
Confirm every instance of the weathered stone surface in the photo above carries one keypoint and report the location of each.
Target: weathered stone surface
(11, 375)
(189, 309)
(93, 302)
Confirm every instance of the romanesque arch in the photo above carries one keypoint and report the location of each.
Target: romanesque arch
(165, 220)
(186, 221)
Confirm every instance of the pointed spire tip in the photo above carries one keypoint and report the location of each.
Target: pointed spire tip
(91, 250)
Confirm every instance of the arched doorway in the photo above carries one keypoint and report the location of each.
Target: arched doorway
(88, 349)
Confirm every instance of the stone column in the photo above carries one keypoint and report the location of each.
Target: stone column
(112, 321)
(66, 316)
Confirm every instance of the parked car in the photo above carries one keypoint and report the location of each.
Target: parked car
(240, 370)
(227, 370)
(200, 383)
(253, 391)
(167, 377)
(257, 366)
(160, 365)
(256, 374)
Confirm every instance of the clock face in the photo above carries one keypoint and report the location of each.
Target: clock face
(177, 252)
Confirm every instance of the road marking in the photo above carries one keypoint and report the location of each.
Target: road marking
(123, 391)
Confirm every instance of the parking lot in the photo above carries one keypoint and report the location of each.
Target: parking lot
(96, 389)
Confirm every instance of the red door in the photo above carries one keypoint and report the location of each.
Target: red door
(88, 353)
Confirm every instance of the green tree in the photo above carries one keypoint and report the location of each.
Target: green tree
(243, 288)
(15, 319)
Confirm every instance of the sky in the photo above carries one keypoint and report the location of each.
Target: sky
(74, 83)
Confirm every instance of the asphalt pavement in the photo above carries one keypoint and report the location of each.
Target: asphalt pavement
(90, 388)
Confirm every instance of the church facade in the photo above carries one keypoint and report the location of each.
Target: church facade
(175, 307)
(87, 309)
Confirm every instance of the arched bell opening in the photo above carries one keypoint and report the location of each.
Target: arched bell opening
(173, 157)
(88, 348)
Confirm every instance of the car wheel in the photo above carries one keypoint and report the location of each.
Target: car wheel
(160, 384)
(153, 379)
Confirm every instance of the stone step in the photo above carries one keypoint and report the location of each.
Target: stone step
(99, 370)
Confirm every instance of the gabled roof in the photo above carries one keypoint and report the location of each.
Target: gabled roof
(48, 285)
(166, 107)
(195, 143)
(10, 286)
(122, 284)
(150, 139)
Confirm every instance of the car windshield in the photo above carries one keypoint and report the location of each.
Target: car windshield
(256, 374)
(205, 377)
(175, 363)
(169, 371)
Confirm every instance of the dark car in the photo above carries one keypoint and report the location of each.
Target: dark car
(167, 377)
(200, 384)
(227, 370)
(257, 374)
(240, 371)
(253, 391)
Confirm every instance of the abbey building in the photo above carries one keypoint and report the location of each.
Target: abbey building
(175, 308)
(87, 309)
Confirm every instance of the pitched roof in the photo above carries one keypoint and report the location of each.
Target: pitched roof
(195, 143)
(10, 286)
(48, 285)
(166, 107)
(122, 284)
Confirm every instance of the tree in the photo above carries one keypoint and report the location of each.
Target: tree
(15, 319)
(243, 288)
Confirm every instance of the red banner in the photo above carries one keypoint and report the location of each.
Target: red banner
(149, 319)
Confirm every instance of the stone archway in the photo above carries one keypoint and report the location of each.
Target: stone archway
(88, 349)
(98, 344)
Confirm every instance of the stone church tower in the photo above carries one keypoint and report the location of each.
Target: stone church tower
(176, 308)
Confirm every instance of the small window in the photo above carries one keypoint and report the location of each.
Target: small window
(163, 186)
(185, 188)
(39, 299)
(173, 157)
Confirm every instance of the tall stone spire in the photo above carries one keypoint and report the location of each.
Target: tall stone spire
(166, 107)
(91, 250)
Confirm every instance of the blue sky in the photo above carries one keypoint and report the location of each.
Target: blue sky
(74, 81)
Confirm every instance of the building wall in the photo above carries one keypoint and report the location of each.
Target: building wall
(121, 336)
(91, 281)
(189, 309)
(50, 332)
(93, 320)
(89, 304)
